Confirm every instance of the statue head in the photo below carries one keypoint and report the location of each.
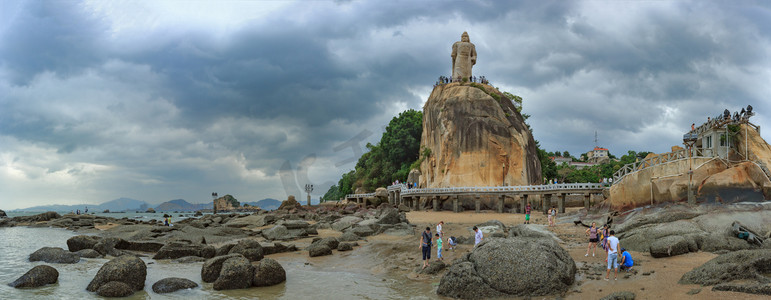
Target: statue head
(464, 37)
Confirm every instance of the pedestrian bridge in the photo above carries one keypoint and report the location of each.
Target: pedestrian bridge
(418, 198)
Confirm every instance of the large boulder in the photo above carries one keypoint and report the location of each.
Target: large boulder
(738, 265)
(80, 242)
(38, 276)
(673, 245)
(388, 215)
(268, 272)
(54, 255)
(349, 237)
(110, 246)
(114, 289)
(280, 232)
(493, 131)
(519, 266)
(173, 284)
(176, 250)
(319, 249)
(250, 249)
(128, 269)
(433, 268)
(345, 222)
(289, 203)
(210, 270)
(236, 273)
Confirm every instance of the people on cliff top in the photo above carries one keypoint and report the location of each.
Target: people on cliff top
(593, 234)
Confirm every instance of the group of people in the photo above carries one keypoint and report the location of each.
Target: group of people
(426, 242)
(551, 215)
(445, 80)
(410, 185)
(609, 242)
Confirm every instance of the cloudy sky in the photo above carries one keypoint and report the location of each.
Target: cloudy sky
(161, 100)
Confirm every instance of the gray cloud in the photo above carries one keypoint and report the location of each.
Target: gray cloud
(102, 100)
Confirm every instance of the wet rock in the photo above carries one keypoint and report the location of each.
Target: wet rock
(513, 267)
(211, 268)
(319, 249)
(144, 246)
(38, 276)
(176, 250)
(236, 273)
(330, 242)
(127, 269)
(280, 232)
(672, 245)
(268, 272)
(224, 250)
(349, 237)
(743, 264)
(173, 284)
(115, 289)
(110, 246)
(433, 268)
(625, 295)
(362, 231)
(345, 247)
(189, 259)
(272, 248)
(89, 253)
(345, 222)
(54, 255)
(759, 289)
(250, 249)
(295, 224)
(80, 242)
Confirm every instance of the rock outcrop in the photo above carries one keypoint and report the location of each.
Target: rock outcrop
(173, 284)
(54, 255)
(510, 267)
(748, 265)
(38, 276)
(289, 203)
(236, 273)
(474, 136)
(126, 269)
(2, 214)
(268, 272)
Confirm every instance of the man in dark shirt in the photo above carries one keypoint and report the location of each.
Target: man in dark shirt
(425, 246)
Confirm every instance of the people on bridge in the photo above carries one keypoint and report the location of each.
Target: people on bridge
(593, 233)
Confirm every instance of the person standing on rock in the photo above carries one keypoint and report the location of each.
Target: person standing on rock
(612, 247)
(527, 213)
(593, 238)
(425, 246)
(477, 236)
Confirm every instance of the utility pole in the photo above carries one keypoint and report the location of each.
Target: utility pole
(309, 189)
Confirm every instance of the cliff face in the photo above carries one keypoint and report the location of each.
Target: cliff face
(714, 180)
(226, 203)
(475, 140)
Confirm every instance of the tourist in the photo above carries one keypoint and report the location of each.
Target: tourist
(612, 246)
(527, 213)
(439, 248)
(693, 126)
(477, 236)
(593, 238)
(439, 229)
(165, 221)
(453, 243)
(604, 237)
(626, 260)
(552, 216)
(425, 246)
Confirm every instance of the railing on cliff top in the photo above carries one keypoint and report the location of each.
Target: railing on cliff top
(566, 187)
(658, 160)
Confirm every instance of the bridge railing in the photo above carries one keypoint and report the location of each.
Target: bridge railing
(359, 195)
(658, 160)
(567, 187)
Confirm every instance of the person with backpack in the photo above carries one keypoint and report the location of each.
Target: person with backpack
(425, 246)
(593, 233)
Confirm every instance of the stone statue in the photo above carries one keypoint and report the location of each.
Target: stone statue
(464, 56)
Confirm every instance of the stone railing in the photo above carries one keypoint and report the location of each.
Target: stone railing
(658, 160)
(504, 189)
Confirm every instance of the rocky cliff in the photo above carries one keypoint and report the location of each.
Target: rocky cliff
(714, 179)
(474, 136)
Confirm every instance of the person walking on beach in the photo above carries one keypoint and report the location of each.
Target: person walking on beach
(593, 238)
(527, 214)
(612, 246)
(439, 248)
(439, 229)
(425, 246)
(552, 216)
(477, 236)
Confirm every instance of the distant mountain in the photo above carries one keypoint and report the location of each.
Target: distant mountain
(181, 205)
(120, 204)
(266, 204)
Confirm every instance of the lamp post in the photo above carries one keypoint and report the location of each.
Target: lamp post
(309, 189)
(689, 139)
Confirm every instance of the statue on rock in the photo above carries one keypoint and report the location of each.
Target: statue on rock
(464, 57)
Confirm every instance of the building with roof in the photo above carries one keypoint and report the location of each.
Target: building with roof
(598, 155)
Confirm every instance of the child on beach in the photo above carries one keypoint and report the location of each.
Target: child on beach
(439, 229)
(527, 214)
(439, 248)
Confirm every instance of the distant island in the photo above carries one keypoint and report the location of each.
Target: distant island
(128, 204)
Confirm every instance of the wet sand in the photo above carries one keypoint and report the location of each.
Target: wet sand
(661, 284)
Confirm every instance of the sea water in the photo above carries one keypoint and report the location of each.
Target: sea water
(305, 278)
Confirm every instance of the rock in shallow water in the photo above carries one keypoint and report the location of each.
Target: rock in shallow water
(127, 269)
(54, 255)
(173, 284)
(236, 273)
(210, 270)
(115, 289)
(268, 272)
(37, 276)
